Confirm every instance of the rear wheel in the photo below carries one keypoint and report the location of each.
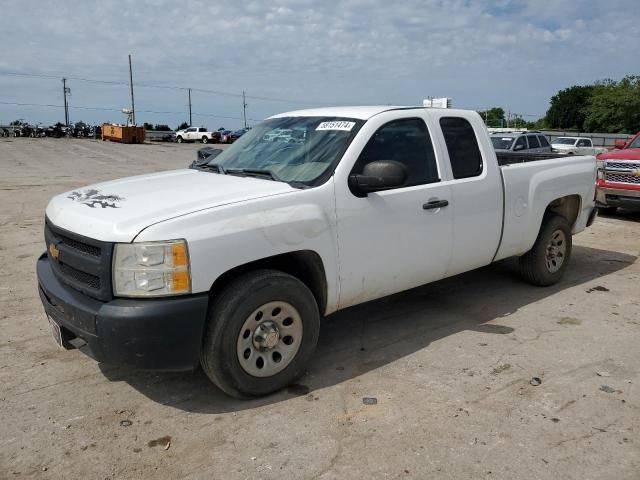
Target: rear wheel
(262, 330)
(547, 261)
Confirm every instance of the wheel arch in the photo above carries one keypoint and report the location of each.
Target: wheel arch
(305, 265)
(568, 207)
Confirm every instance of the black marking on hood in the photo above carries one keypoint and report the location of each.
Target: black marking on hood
(93, 198)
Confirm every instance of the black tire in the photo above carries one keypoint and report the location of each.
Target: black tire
(205, 139)
(607, 210)
(232, 307)
(535, 266)
(179, 139)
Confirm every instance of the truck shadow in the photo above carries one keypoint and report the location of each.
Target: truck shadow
(624, 214)
(366, 337)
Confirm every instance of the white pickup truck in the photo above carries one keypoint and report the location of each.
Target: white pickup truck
(197, 134)
(575, 146)
(232, 265)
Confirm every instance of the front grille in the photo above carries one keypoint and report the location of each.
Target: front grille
(611, 177)
(82, 247)
(82, 263)
(623, 165)
(86, 278)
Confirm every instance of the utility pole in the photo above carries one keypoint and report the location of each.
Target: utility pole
(244, 109)
(133, 105)
(65, 90)
(190, 121)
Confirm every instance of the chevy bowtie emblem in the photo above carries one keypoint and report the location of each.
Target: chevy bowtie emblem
(636, 172)
(53, 251)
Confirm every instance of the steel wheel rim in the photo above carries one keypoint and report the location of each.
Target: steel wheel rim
(269, 339)
(556, 251)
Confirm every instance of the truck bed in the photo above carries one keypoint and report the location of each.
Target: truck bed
(508, 158)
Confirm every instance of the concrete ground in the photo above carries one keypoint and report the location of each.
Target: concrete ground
(450, 366)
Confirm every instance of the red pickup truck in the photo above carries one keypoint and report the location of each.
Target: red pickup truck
(619, 177)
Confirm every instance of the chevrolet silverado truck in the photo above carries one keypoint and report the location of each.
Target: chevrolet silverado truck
(232, 265)
(619, 177)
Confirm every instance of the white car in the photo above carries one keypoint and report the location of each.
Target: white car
(575, 146)
(232, 265)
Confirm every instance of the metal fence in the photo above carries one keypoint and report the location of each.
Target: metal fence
(599, 139)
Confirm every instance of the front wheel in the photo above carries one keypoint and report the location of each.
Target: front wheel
(205, 139)
(548, 259)
(179, 140)
(262, 330)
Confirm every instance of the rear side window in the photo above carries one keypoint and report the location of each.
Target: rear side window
(462, 145)
(202, 129)
(533, 141)
(543, 141)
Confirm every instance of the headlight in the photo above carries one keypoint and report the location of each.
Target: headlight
(149, 269)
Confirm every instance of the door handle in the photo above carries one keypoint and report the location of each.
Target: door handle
(435, 204)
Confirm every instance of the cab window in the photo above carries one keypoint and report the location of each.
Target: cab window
(543, 141)
(406, 141)
(462, 145)
(521, 144)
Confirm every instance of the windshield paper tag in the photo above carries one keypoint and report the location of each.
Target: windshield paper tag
(344, 126)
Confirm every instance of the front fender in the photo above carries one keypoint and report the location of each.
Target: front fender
(225, 237)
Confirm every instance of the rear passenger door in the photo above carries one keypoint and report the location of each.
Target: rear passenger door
(534, 143)
(545, 146)
(476, 192)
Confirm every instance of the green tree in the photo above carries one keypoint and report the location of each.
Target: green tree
(614, 107)
(493, 117)
(182, 126)
(160, 127)
(148, 126)
(568, 106)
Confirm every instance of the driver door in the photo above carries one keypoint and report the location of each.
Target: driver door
(394, 240)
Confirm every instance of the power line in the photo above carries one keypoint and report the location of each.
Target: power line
(169, 87)
(107, 109)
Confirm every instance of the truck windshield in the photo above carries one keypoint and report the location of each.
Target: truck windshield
(502, 143)
(635, 143)
(298, 150)
(565, 141)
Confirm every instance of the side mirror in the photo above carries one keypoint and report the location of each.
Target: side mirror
(378, 175)
(619, 144)
(518, 147)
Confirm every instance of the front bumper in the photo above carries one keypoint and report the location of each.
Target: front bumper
(148, 334)
(618, 197)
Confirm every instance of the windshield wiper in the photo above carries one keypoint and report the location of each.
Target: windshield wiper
(254, 172)
(216, 167)
(263, 173)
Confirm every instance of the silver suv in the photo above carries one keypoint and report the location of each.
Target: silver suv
(525, 142)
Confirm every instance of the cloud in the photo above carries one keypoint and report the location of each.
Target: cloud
(512, 53)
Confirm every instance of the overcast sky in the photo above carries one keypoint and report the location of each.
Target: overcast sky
(509, 53)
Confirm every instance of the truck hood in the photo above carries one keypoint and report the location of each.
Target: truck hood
(624, 154)
(118, 210)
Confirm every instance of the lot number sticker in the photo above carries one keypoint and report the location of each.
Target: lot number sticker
(344, 126)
